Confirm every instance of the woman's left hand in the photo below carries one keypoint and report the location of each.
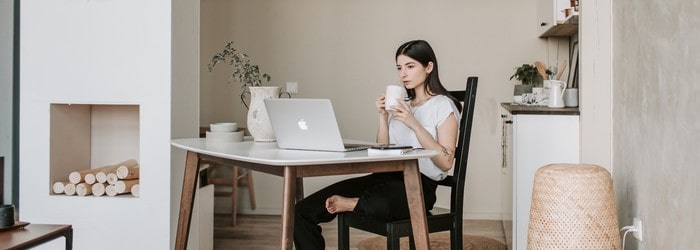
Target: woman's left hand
(403, 113)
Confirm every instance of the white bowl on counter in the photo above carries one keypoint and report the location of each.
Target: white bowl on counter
(223, 127)
(215, 137)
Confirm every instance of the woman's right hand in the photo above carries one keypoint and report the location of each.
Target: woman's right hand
(383, 130)
(380, 103)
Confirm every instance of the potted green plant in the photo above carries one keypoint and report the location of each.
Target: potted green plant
(529, 77)
(251, 80)
(243, 71)
(526, 74)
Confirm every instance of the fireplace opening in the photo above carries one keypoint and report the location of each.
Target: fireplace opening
(89, 138)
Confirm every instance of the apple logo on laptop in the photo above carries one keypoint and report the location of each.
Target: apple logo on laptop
(302, 124)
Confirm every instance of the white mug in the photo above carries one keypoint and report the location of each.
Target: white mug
(571, 97)
(393, 95)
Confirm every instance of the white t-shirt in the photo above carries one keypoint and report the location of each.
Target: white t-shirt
(431, 115)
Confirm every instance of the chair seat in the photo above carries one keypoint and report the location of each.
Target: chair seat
(402, 228)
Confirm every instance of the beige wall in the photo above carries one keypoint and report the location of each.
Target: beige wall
(343, 50)
(656, 124)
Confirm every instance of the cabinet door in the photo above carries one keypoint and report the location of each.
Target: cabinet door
(548, 12)
(538, 140)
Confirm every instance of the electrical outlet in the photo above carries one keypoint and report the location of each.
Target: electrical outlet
(292, 87)
(637, 223)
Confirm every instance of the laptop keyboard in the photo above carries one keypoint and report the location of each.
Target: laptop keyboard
(355, 147)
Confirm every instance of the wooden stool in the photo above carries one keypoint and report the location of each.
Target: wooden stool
(236, 180)
(239, 177)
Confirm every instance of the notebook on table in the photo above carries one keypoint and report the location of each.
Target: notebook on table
(307, 124)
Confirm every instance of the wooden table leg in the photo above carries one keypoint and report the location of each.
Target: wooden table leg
(189, 188)
(416, 205)
(288, 202)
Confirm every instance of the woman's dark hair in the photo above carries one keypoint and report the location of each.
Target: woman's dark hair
(421, 51)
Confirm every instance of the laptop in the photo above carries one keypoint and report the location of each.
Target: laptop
(307, 124)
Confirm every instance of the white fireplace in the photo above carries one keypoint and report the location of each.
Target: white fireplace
(102, 82)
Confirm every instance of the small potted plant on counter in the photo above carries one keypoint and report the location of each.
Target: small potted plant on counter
(526, 74)
(529, 77)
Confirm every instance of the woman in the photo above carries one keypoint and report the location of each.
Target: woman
(430, 120)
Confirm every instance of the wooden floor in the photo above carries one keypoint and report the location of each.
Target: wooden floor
(263, 232)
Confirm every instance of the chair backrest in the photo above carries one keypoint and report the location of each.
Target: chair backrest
(458, 178)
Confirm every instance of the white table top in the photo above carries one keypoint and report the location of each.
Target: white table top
(269, 154)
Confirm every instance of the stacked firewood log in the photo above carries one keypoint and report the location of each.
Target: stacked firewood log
(112, 180)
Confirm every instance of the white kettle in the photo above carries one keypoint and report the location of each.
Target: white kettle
(556, 94)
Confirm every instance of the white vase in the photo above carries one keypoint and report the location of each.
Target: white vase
(258, 122)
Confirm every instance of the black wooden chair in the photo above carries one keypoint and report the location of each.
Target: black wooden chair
(451, 221)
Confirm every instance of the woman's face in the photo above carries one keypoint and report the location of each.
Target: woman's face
(411, 72)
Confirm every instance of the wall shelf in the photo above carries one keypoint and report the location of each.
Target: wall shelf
(568, 27)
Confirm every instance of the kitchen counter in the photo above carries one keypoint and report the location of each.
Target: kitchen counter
(515, 109)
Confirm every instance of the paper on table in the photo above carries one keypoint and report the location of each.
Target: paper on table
(374, 151)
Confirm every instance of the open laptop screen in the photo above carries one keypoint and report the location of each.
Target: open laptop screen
(307, 124)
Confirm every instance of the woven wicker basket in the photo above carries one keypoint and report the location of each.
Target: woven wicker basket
(573, 207)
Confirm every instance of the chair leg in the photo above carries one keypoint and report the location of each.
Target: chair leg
(411, 243)
(392, 238)
(456, 238)
(343, 233)
(392, 242)
(234, 195)
(251, 189)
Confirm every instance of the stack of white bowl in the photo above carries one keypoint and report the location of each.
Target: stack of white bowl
(224, 132)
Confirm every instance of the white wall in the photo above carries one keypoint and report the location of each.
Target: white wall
(344, 51)
(6, 37)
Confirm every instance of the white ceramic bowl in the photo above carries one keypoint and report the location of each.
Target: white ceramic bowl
(237, 136)
(217, 137)
(223, 127)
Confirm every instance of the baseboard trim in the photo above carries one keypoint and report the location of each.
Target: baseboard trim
(261, 211)
(482, 216)
(277, 211)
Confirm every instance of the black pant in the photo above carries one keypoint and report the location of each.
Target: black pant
(381, 196)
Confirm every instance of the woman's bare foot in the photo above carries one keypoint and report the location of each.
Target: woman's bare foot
(339, 204)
